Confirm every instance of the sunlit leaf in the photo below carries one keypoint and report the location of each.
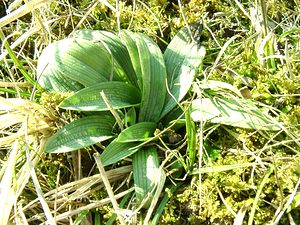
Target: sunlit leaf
(222, 168)
(234, 112)
(146, 174)
(191, 137)
(122, 62)
(183, 58)
(119, 95)
(127, 38)
(70, 64)
(153, 78)
(117, 151)
(218, 86)
(81, 133)
(139, 132)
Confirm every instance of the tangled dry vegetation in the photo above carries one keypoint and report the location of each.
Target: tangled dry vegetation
(240, 175)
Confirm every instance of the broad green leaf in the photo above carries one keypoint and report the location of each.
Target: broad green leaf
(53, 79)
(234, 112)
(146, 172)
(139, 132)
(122, 62)
(159, 187)
(81, 133)
(119, 95)
(183, 57)
(127, 38)
(74, 61)
(153, 71)
(117, 151)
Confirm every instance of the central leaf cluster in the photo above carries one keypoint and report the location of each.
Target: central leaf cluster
(129, 69)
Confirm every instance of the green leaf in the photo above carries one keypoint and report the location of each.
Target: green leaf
(234, 112)
(122, 63)
(81, 133)
(81, 217)
(139, 132)
(119, 95)
(53, 79)
(130, 117)
(183, 57)
(146, 172)
(191, 138)
(153, 78)
(117, 151)
(163, 203)
(127, 38)
(73, 62)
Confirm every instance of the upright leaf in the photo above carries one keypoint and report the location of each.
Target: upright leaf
(127, 38)
(191, 138)
(130, 117)
(153, 79)
(119, 95)
(145, 174)
(122, 63)
(81, 133)
(183, 58)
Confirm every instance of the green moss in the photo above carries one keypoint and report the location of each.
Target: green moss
(51, 100)
(169, 216)
(238, 187)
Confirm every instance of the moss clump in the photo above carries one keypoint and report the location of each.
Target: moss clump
(170, 215)
(238, 188)
(51, 100)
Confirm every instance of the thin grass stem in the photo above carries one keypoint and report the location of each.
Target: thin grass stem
(258, 193)
(108, 188)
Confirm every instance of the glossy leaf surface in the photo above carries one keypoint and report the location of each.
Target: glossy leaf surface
(113, 43)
